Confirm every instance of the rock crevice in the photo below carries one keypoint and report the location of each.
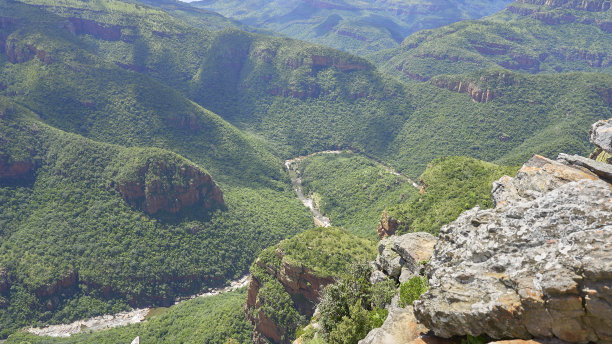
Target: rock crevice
(537, 265)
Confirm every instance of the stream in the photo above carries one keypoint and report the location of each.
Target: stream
(320, 220)
(292, 166)
(133, 316)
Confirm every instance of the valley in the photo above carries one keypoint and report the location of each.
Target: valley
(134, 316)
(345, 155)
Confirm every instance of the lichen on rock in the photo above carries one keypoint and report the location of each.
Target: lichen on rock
(538, 265)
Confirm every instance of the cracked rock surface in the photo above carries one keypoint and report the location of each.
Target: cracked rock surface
(538, 265)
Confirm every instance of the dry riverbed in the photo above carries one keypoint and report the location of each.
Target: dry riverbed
(134, 316)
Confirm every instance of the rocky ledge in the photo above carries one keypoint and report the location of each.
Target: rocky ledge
(401, 257)
(537, 265)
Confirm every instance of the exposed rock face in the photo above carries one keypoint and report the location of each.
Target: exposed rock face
(538, 265)
(302, 285)
(17, 52)
(586, 5)
(537, 177)
(387, 226)
(473, 89)
(400, 257)
(69, 280)
(80, 26)
(601, 134)
(400, 327)
(168, 186)
(16, 171)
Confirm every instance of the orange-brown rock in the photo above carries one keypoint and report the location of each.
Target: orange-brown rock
(387, 227)
(170, 186)
(69, 280)
(80, 26)
(299, 282)
(16, 171)
(471, 87)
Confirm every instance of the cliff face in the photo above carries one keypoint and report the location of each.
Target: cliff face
(474, 88)
(302, 284)
(169, 186)
(539, 263)
(16, 171)
(585, 5)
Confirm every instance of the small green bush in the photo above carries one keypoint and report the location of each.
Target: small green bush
(473, 340)
(383, 292)
(412, 290)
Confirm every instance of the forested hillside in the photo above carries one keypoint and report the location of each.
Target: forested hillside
(529, 36)
(305, 98)
(142, 147)
(359, 27)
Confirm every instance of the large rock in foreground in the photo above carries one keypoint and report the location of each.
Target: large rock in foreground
(538, 265)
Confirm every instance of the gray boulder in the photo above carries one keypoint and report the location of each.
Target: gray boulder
(400, 327)
(388, 260)
(402, 255)
(538, 265)
(601, 134)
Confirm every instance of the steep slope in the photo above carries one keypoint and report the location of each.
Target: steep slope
(57, 202)
(359, 27)
(99, 227)
(449, 186)
(529, 36)
(353, 190)
(286, 279)
(284, 90)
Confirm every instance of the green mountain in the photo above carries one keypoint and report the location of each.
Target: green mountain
(353, 190)
(529, 36)
(110, 109)
(356, 26)
(304, 98)
(73, 207)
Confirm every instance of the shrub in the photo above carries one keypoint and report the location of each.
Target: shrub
(383, 292)
(412, 290)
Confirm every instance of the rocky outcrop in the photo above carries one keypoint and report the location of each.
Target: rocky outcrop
(537, 177)
(16, 171)
(67, 281)
(593, 59)
(537, 265)
(18, 52)
(302, 284)
(585, 5)
(474, 88)
(387, 226)
(601, 134)
(400, 257)
(399, 327)
(169, 186)
(80, 26)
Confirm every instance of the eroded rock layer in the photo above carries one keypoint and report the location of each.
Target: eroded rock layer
(538, 265)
